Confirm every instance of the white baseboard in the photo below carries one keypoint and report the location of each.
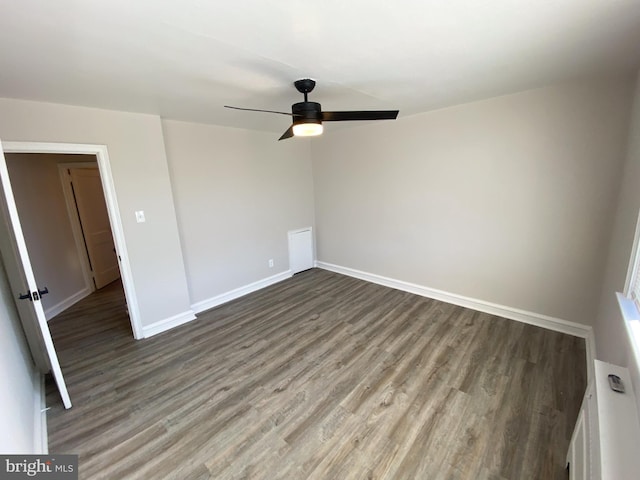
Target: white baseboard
(185, 317)
(40, 435)
(551, 323)
(167, 323)
(239, 292)
(59, 307)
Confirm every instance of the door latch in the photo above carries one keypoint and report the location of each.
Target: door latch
(37, 295)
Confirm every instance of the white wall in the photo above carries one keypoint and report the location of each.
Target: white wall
(237, 193)
(611, 339)
(506, 200)
(35, 180)
(18, 377)
(141, 177)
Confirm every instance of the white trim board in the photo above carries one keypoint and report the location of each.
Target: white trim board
(167, 323)
(544, 321)
(186, 317)
(218, 300)
(61, 306)
(590, 354)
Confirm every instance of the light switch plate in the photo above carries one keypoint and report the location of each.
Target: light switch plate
(140, 216)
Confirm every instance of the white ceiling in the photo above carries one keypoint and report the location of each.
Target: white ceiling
(186, 59)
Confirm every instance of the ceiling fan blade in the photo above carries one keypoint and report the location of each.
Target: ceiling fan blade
(287, 134)
(360, 115)
(258, 110)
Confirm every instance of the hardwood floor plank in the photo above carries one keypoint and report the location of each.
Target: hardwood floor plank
(319, 376)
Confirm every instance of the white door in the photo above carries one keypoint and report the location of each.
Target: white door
(94, 220)
(23, 285)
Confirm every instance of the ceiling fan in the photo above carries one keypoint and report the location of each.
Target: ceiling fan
(308, 116)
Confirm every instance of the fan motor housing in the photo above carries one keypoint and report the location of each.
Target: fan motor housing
(307, 111)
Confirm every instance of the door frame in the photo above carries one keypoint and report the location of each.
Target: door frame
(108, 187)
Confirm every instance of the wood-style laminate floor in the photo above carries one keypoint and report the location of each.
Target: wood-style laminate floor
(321, 376)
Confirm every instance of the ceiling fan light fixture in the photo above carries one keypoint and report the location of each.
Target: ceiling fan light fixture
(307, 129)
(308, 116)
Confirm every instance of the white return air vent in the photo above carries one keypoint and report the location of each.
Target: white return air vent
(300, 250)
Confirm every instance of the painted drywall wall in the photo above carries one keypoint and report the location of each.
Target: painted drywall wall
(237, 193)
(141, 178)
(506, 200)
(18, 390)
(612, 341)
(38, 193)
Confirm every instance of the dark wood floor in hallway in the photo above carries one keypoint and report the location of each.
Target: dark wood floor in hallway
(321, 376)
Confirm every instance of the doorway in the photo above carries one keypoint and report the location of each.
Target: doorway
(100, 154)
(70, 261)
